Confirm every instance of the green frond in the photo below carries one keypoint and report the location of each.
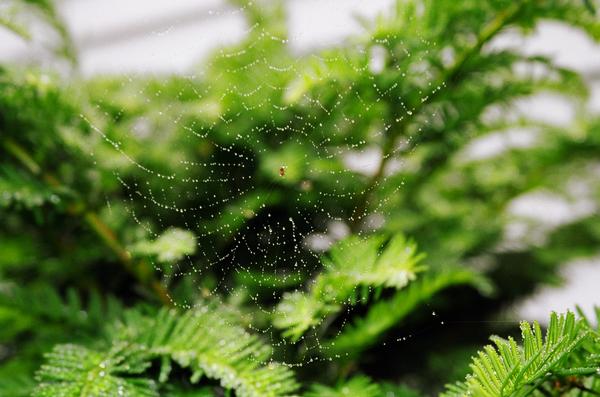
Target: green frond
(590, 321)
(507, 369)
(386, 314)
(8, 23)
(332, 67)
(172, 245)
(241, 210)
(353, 268)
(254, 280)
(297, 313)
(72, 370)
(20, 189)
(41, 315)
(40, 307)
(207, 341)
(35, 113)
(212, 344)
(356, 261)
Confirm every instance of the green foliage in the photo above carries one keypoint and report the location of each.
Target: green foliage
(17, 15)
(129, 202)
(354, 267)
(20, 189)
(39, 315)
(211, 344)
(207, 341)
(385, 314)
(40, 306)
(507, 369)
(172, 245)
(76, 371)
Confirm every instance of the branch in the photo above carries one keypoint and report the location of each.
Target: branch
(488, 32)
(140, 269)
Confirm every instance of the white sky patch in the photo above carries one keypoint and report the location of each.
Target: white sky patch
(548, 108)
(551, 209)
(582, 279)
(566, 45)
(322, 23)
(496, 143)
(365, 161)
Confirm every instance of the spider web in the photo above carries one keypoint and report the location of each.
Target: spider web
(267, 174)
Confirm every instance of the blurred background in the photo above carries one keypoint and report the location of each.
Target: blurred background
(171, 37)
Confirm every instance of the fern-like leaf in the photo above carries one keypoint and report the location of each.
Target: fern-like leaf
(19, 189)
(353, 268)
(208, 341)
(507, 369)
(41, 306)
(385, 314)
(211, 344)
(73, 370)
(171, 246)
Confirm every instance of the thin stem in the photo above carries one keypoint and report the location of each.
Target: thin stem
(488, 32)
(20, 154)
(140, 269)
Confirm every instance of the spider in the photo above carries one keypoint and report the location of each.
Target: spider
(282, 171)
